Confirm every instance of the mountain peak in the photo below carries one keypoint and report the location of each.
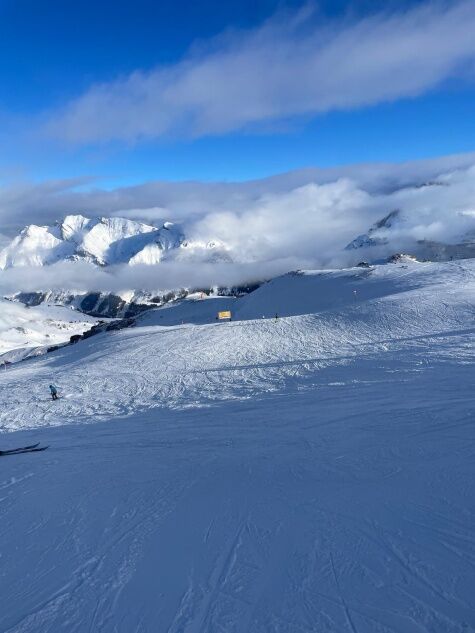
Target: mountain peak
(386, 222)
(102, 241)
(394, 231)
(73, 224)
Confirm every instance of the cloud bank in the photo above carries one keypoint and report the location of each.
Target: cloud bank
(293, 65)
(23, 203)
(78, 277)
(297, 220)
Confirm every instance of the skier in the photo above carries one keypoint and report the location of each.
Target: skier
(54, 392)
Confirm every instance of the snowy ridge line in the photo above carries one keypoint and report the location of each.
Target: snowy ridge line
(25, 331)
(26, 353)
(107, 241)
(99, 241)
(23, 354)
(126, 305)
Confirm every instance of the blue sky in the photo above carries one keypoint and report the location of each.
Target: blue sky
(262, 111)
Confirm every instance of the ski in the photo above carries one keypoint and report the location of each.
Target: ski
(35, 450)
(19, 451)
(21, 448)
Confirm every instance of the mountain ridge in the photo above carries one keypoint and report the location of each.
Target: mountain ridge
(101, 241)
(394, 233)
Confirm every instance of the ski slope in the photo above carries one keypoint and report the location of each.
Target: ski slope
(307, 473)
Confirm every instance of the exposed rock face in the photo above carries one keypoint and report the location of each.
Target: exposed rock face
(99, 304)
(395, 232)
(401, 257)
(376, 234)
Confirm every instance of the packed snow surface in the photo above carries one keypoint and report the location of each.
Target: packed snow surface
(306, 467)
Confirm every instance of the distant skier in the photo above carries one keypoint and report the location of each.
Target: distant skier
(54, 392)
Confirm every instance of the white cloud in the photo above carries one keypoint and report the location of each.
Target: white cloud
(23, 203)
(82, 277)
(313, 221)
(296, 220)
(292, 65)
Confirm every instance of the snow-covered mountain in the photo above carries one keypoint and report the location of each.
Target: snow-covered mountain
(101, 241)
(377, 234)
(111, 241)
(104, 242)
(28, 331)
(397, 232)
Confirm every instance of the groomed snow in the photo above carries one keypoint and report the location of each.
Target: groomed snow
(307, 473)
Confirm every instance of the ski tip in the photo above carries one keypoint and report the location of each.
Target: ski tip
(22, 451)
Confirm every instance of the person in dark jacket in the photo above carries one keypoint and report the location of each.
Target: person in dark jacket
(54, 392)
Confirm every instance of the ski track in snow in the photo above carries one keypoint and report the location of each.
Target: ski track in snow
(310, 474)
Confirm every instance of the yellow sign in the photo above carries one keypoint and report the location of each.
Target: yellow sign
(225, 314)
